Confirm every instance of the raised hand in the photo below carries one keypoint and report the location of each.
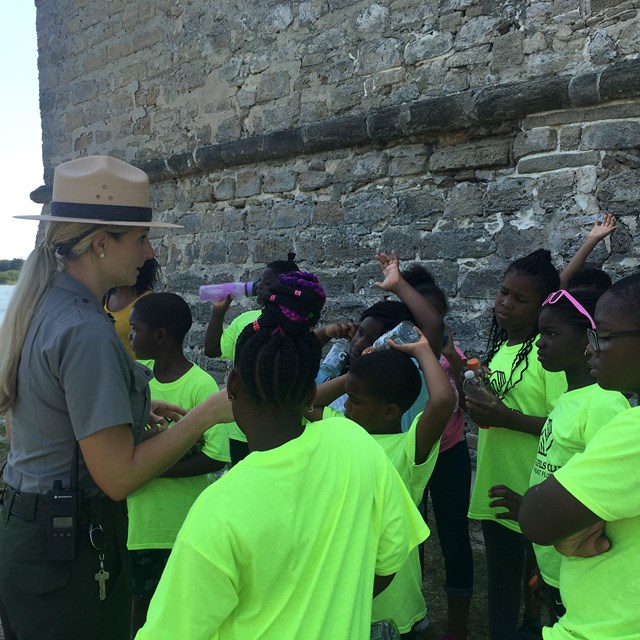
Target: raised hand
(603, 228)
(390, 270)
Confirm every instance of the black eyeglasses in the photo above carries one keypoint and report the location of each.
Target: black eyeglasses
(594, 338)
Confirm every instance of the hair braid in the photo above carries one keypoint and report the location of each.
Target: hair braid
(278, 356)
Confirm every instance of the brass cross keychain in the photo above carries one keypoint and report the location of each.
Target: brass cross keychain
(101, 578)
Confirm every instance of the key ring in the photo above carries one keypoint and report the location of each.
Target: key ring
(97, 537)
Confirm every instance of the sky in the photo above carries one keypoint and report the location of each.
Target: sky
(20, 130)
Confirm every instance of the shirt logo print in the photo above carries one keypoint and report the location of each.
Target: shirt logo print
(546, 439)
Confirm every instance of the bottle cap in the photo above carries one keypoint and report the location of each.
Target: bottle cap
(473, 364)
(469, 374)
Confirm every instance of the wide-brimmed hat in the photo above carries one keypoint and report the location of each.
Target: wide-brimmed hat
(100, 190)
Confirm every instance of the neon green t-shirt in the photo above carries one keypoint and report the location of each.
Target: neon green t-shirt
(602, 594)
(158, 509)
(232, 332)
(575, 419)
(506, 456)
(403, 601)
(287, 543)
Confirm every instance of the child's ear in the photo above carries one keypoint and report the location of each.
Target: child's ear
(161, 335)
(392, 412)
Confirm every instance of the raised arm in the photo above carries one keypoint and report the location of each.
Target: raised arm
(214, 328)
(442, 399)
(341, 329)
(599, 231)
(427, 318)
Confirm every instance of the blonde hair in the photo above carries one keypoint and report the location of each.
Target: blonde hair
(63, 243)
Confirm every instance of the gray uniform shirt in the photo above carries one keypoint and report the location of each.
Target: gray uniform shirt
(75, 378)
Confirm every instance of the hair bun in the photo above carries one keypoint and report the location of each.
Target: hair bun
(295, 301)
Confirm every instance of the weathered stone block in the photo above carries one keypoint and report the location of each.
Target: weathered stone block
(507, 50)
(267, 248)
(589, 114)
(454, 244)
(555, 161)
(481, 284)
(272, 86)
(534, 141)
(225, 189)
(247, 184)
(611, 135)
(619, 193)
(620, 80)
(569, 137)
(519, 100)
(334, 134)
(464, 201)
(278, 181)
(326, 214)
(508, 196)
(480, 54)
(484, 153)
(312, 180)
(427, 46)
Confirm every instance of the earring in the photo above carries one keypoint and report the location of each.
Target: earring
(230, 396)
(309, 408)
(102, 255)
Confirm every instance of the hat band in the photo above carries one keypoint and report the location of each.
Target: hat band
(100, 212)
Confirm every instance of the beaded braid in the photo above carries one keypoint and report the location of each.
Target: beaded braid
(538, 267)
(278, 356)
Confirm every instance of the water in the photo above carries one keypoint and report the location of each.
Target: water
(6, 291)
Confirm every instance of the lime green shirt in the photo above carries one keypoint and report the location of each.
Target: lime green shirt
(403, 601)
(602, 594)
(575, 419)
(158, 509)
(287, 543)
(232, 332)
(506, 456)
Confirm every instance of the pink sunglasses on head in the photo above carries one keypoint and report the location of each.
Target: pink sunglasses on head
(556, 296)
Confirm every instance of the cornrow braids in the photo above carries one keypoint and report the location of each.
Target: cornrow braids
(537, 266)
(277, 357)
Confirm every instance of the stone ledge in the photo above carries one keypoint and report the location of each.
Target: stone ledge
(430, 116)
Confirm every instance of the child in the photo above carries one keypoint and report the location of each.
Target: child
(292, 542)
(119, 301)
(450, 482)
(380, 387)
(159, 323)
(524, 395)
(590, 508)
(385, 315)
(577, 416)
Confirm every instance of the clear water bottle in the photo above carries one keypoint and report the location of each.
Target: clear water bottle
(475, 385)
(335, 361)
(218, 292)
(404, 333)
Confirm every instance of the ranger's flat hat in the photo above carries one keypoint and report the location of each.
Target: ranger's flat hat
(100, 190)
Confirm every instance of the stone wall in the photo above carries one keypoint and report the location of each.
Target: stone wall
(462, 133)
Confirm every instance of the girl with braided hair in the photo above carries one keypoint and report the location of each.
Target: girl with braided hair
(268, 551)
(564, 321)
(524, 394)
